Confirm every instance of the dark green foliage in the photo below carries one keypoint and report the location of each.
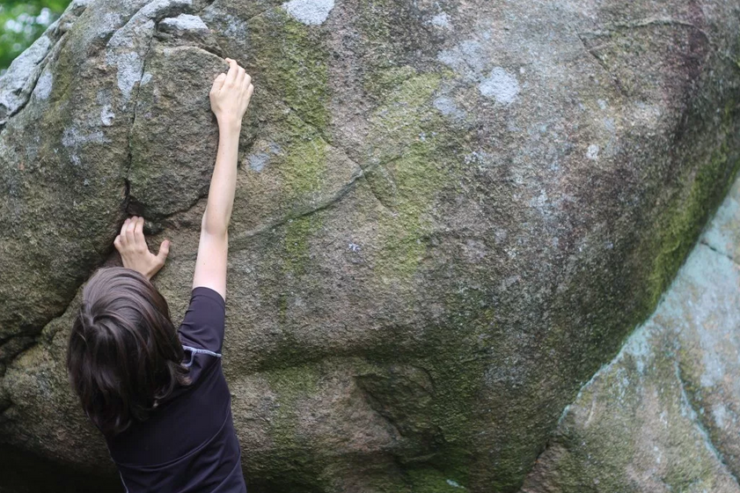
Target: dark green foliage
(22, 22)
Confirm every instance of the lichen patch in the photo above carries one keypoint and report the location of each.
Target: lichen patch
(309, 12)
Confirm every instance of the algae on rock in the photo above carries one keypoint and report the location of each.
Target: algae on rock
(448, 217)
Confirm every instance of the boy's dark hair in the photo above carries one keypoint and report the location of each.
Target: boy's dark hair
(124, 355)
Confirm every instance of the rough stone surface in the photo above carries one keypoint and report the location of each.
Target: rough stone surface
(663, 415)
(448, 218)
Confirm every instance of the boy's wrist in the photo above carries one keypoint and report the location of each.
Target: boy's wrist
(229, 124)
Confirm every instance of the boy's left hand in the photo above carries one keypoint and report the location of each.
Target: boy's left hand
(134, 250)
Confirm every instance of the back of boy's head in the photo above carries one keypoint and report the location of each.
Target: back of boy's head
(124, 355)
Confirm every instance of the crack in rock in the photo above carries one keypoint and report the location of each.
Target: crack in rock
(240, 241)
(133, 65)
(694, 416)
(153, 10)
(714, 249)
(603, 65)
(127, 179)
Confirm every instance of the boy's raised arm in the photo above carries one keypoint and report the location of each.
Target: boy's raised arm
(230, 97)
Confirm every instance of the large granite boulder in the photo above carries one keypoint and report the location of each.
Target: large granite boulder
(449, 215)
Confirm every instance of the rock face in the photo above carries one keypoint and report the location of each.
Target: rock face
(449, 215)
(663, 415)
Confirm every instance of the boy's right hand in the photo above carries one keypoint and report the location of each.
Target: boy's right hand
(230, 95)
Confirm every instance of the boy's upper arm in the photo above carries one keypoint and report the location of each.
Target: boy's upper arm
(210, 265)
(204, 322)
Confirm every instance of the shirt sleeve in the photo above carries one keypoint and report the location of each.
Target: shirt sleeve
(203, 325)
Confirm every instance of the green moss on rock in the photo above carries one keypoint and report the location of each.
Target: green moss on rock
(291, 386)
(409, 164)
(302, 176)
(291, 61)
(298, 233)
(685, 217)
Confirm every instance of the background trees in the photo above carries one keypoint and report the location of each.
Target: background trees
(21, 22)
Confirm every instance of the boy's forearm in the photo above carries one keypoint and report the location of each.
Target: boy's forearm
(223, 181)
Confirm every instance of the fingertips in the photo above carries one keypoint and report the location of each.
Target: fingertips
(130, 226)
(124, 226)
(164, 250)
(139, 229)
(233, 71)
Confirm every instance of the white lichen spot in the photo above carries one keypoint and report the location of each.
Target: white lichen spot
(640, 348)
(185, 22)
(258, 161)
(602, 104)
(158, 7)
(474, 250)
(500, 85)
(719, 413)
(72, 138)
(455, 484)
(469, 58)
(447, 107)
(145, 80)
(540, 201)
(235, 27)
(111, 21)
(310, 12)
(479, 157)
(79, 3)
(353, 247)
(474, 54)
(44, 85)
(441, 20)
(713, 368)
(644, 114)
(129, 72)
(107, 115)
(592, 152)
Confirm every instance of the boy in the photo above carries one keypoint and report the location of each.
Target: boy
(158, 394)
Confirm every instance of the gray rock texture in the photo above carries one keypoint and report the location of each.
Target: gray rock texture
(449, 216)
(663, 415)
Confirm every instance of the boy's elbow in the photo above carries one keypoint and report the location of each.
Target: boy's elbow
(213, 227)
